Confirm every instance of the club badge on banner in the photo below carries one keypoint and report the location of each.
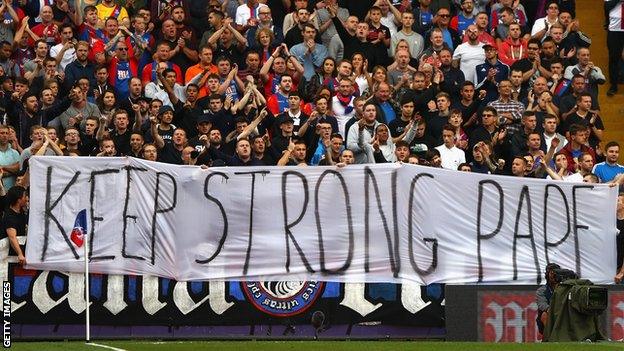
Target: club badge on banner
(378, 223)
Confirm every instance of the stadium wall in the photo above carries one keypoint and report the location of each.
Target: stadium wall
(499, 313)
(51, 305)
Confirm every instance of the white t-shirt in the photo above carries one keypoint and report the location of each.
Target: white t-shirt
(341, 115)
(243, 13)
(451, 158)
(572, 178)
(615, 18)
(68, 57)
(388, 21)
(540, 24)
(562, 140)
(469, 57)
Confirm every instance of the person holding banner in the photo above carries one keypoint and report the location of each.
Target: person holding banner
(170, 152)
(295, 154)
(15, 219)
(577, 145)
(451, 155)
(362, 133)
(242, 157)
(519, 166)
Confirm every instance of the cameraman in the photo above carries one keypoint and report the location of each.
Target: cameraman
(543, 295)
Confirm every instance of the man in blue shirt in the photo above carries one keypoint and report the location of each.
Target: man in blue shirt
(608, 169)
(490, 73)
(310, 54)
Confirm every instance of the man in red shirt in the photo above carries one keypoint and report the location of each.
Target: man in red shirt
(163, 54)
(46, 29)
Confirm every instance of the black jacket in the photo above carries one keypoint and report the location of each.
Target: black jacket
(352, 45)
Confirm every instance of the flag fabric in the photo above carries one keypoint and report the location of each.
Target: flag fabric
(80, 228)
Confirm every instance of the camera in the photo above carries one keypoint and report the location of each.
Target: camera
(562, 274)
(585, 297)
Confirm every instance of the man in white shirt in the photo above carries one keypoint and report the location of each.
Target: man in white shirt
(64, 53)
(390, 16)
(550, 132)
(247, 15)
(342, 104)
(158, 90)
(450, 154)
(469, 54)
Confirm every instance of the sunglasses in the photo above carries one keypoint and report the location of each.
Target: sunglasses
(122, 49)
(444, 15)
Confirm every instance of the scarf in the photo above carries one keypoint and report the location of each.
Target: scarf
(344, 101)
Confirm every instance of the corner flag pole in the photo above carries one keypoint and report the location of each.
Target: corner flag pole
(87, 298)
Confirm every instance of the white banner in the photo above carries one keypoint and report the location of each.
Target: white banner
(377, 223)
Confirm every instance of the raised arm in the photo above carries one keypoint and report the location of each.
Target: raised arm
(158, 140)
(101, 128)
(304, 127)
(544, 166)
(57, 150)
(328, 154)
(242, 42)
(44, 147)
(119, 36)
(551, 150)
(33, 36)
(598, 132)
(266, 67)
(30, 76)
(409, 133)
(298, 66)
(191, 54)
(240, 104)
(11, 12)
(395, 12)
(59, 57)
(253, 125)
(12, 235)
(259, 97)
(286, 155)
(19, 34)
(226, 83)
(168, 87)
(138, 118)
(212, 41)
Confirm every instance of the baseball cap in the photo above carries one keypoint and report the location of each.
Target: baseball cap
(164, 109)
(286, 119)
(204, 119)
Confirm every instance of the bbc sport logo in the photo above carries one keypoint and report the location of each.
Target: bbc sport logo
(6, 314)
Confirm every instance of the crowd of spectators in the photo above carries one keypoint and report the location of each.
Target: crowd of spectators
(500, 87)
